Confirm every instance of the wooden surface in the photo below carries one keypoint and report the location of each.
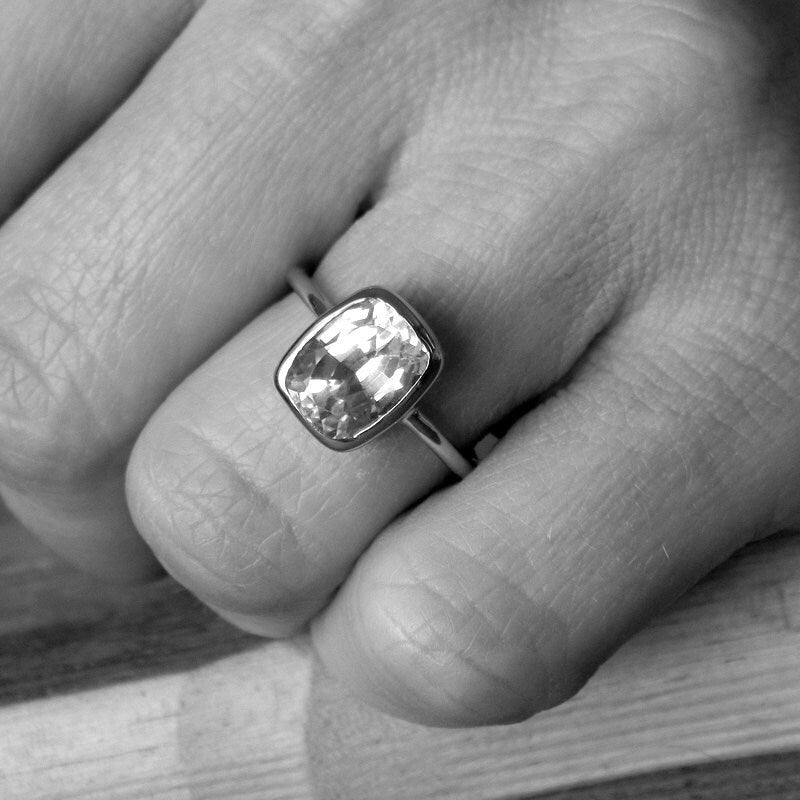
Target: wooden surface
(110, 694)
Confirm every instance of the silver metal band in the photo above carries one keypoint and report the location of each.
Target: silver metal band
(460, 464)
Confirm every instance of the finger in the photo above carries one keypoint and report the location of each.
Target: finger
(160, 238)
(499, 597)
(258, 519)
(515, 279)
(65, 67)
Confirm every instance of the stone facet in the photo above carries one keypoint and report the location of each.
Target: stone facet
(358, 367)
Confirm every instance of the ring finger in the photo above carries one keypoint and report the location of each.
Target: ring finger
(518, 265)
(264, 523)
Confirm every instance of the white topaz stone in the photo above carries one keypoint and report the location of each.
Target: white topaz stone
(358, 367)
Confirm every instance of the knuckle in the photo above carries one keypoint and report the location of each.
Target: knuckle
(284, 42)
(461, 644)
(670, 57)
(48, 430)
(218, 533)
(696, 36)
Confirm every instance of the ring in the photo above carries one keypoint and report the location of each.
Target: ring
(362, 367)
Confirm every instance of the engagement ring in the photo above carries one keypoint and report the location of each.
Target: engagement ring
(362, 367)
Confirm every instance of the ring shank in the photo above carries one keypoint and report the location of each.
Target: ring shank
(461, 465)
(433, 437)
(307, 291)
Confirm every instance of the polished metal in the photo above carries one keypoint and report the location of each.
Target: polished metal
(406, 411)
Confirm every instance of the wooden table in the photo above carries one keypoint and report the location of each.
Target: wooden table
(144, 694)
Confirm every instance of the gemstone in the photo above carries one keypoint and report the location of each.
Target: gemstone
(354, 370)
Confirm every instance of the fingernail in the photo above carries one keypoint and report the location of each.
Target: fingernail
(247, 623)
(268, 627)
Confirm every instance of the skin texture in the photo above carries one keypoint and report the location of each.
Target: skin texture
(594, 204)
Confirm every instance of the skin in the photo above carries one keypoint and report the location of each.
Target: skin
(596, 206)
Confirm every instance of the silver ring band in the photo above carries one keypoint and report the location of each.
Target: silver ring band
(406, 410)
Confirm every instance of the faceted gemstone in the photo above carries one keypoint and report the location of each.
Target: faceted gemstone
(358, 367)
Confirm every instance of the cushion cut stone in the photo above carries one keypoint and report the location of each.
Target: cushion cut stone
(359, 366)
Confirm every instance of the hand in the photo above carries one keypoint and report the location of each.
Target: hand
(594, 204)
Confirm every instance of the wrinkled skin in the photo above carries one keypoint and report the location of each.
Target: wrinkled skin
(596, 206)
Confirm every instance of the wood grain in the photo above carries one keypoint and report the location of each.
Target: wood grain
(142, 693)
(767, 777)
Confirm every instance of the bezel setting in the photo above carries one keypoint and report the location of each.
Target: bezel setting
(394, 413)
